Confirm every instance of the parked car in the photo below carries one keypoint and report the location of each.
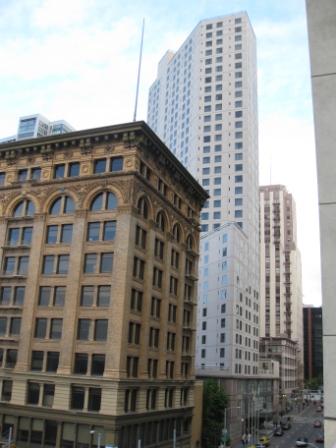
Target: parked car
(319, 409)
(317, 424)
(278, 432)
(264, 440)
(301, 441)
(320, 439)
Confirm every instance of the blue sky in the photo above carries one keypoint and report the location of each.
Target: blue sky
(77, 60)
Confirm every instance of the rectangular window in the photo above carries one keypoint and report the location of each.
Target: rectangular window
(66, 233)
(36, 173)
(99, 166)
(40, 328)
(94, 399)
(52, 232)
(93, 231)
(2, 178)
(5, 297)
(56, 328)
(106, 262)
(48, 264)
(103, 296)
(52, 361)
(15, 326)
(59, 171)
(59, 295)
(140, 237)
(22, 175)
(154, 335)
(48, 395)
(116, 164)
(138, 268)
(23, 265)
(159, 248)
(19, 293)
(81, 363)
(9, 265)
(33, 393)
(109, 230)
(87, 295)
(6, 391)
(13, 236)
(136, 300)
(155, 307)
(83, 329)
(11, 357)
(73, 169)
(90, 263)
(100, 331)
(62, 264)
(44, 296)
(77, 397)
(157, 278)
(97, 364)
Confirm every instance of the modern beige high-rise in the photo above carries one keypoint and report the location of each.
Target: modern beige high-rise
(99, 237)
(321, 17)
(281, 285)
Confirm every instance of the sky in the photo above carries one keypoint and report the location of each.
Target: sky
(77, 60)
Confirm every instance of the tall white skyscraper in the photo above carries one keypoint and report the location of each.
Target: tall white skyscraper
(203, 104)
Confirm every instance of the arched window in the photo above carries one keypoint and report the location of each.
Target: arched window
(104, 201)
(177, 232)
(63, 205)
(24, 208)
(160, 221)
(143, 207)
(189, 242)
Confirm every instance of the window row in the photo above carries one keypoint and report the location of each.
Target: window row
(71, 169)
(65, 205)
(59, 264)
(10, 326)
(12, 295)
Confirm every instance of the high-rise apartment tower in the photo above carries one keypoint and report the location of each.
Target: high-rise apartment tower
(203, 104)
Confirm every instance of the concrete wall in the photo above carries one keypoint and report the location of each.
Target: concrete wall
(322, 40)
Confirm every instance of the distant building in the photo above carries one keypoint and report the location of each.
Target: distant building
(33, 126)
(280, 285)
(321, 19)
(313, 348)
(99, 240)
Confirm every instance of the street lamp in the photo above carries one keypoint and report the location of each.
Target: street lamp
(92, 432)
(225, 431)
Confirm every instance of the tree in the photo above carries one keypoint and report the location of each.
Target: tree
(214, 402)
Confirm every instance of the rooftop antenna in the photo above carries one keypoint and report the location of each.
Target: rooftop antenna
(139, 70)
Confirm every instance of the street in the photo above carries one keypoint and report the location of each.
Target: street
(302, 426)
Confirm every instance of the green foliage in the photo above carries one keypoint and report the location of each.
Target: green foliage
(214, 402)
(314, 383)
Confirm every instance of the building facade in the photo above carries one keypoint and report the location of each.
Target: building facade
(99, 252)
(313, 349)
(203, 104)
(228, 310)
(322, 41)
(281, 285)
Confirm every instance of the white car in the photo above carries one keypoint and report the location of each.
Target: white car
(301, 441)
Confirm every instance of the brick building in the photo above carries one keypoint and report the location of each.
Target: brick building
(99, 244)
